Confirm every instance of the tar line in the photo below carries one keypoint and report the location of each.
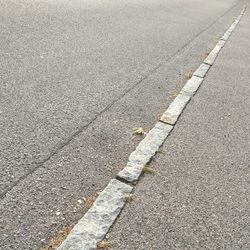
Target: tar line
(95, 224)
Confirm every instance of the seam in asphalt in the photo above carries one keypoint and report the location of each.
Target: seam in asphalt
(82, 128)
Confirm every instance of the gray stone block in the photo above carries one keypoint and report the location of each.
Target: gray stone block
(131, 172)
(211, 58)
(226, 36)
(171, 115)
(237, 20)
(232, 27)
(192, 85)
(219, 45)
(213, 54)
(96, 223)
(146, 149)
(202, 70)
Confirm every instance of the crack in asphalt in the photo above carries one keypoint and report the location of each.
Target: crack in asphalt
(82, 128)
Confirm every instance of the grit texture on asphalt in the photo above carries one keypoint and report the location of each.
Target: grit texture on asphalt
(198, 197)
(76, 77)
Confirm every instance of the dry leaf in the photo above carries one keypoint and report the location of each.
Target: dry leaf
(173, 96)
(188, 76)
(159, 152)
(139, 131)
(148, 170)
(58, 238)
(105, 245)
(89, 200)
(97, 193)
(130, 198)
(206, 55)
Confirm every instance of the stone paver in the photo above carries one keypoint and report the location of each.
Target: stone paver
(202, 70)
(171, 115)
(146, 149)
(96, 222)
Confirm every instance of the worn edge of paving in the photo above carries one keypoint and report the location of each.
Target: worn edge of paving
(97, 221)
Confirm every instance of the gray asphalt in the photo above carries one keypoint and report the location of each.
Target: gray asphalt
(198, 197)
(76, 77)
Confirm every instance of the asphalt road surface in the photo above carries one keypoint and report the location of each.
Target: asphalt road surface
(75, 78)
(198, 196)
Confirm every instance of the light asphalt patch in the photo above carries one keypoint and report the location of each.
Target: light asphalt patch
(96, 223)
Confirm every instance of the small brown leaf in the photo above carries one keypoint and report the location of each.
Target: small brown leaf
(206, 55)
(148, 170)
(173, 96)
(89, 200)
(130, 198)
(58, 238)
(188, 75)
(139, 131)
(97, 193)
(159, 152)
(105, 245)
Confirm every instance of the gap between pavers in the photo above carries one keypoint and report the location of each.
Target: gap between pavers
(192, 85)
